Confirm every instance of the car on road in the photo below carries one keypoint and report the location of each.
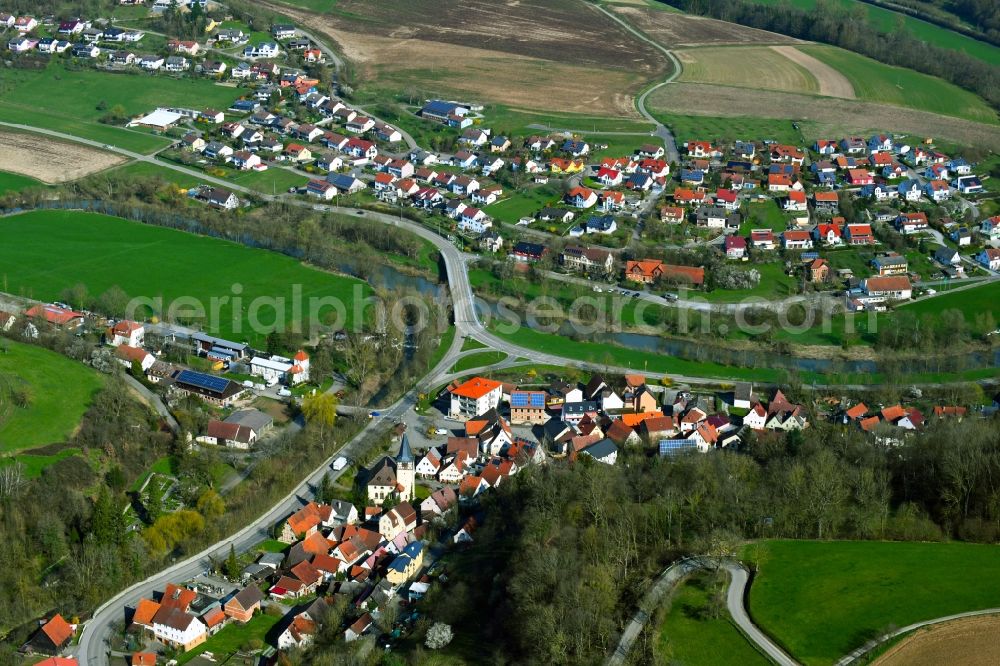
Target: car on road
(247, 383)
(271, 382)
(441, 431)
(598, 289)
(670, 297)
(284, 392)
(360, 212)
(374, 415)
(340, 394)
(339, 464)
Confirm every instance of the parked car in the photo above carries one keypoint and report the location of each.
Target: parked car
(284, 392)
(441, 431)
(339, 464)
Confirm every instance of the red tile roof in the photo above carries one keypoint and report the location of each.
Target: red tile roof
(475, 388)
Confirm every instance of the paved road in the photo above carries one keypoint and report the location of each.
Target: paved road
(734, 603)
(670, 578)
(856, 655)
(92, 649)
(669, 142)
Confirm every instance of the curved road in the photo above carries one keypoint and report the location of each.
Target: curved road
(669, 142)
(853, 657)
(736, 593)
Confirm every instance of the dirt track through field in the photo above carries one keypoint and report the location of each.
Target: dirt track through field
(698, 99)
(970, 642)
(831, 82)
(51, 161)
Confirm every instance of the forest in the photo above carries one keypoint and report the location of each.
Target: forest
(831, 23)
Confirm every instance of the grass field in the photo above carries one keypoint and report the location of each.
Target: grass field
(774, 284)
(174, 265)
(886, 21)
(522, 122)
(877, 82)
(970, 301)
(232, 637)
(60, 390)
(148, 170)
(710, 128)
(690, 636)
(823, 599)
(446, 339)
(72, 97)
(524, 203)
(15, 182)
(746, 66)
(472, 343)
(478, 360)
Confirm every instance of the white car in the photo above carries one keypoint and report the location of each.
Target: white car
(284, 392)
(271, 382)
(339, 464)
(441, 431)
(247, 383)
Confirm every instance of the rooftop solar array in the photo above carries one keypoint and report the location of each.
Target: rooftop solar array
(201, 380)
(527, 399)
(669, 447)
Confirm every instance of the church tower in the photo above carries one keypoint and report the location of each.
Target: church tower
(405, 470)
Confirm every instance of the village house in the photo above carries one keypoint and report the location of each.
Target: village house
(890, 263)
(588, 260)
(883, 288)
(474, 397)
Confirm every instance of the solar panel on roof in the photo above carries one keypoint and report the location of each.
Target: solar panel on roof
(201, 380)
(669, 447)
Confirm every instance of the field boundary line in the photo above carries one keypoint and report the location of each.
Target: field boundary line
(853, 657)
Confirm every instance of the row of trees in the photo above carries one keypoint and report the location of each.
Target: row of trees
(850, 28)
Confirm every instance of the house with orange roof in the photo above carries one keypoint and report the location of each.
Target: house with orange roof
(893, 413)
(304, 522)
(581, 197)
(868, 424)
(683, 275)
(645, 271)
(127, 332)
(474, 397)
(53, 637)
(143, 659)
(145, 611)
(55, 315)
(214, 620)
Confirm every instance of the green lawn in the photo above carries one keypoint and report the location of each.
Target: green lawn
(618, 145)
(232, 637)
(148, 170)
(35, 464)
(478, 360)
(15, 182)
(885, 20)
(711, 128)
(823, 599)
(877, 82)
(272, 181)
(472, 343)
(970, 301)
(72, 97)
(764, 215)
(446, 339)
(690, 636)
(524, 203)
(774, 283)
(60, 391)
(174, 264)
(272, 546)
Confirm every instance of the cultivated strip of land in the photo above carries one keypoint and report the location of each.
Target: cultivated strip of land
(49, 160)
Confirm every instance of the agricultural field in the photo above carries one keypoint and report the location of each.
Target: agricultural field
(715, 128)
(973, 641)
(821, 116)
(15, 182)
(746, 66)
(677, 30)
(55, 391)
(822, 599)
(51, 161)
(690, 635)
(175, 264)
(876, 82)
(534, 54)
(72, 98)
(886, 20)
